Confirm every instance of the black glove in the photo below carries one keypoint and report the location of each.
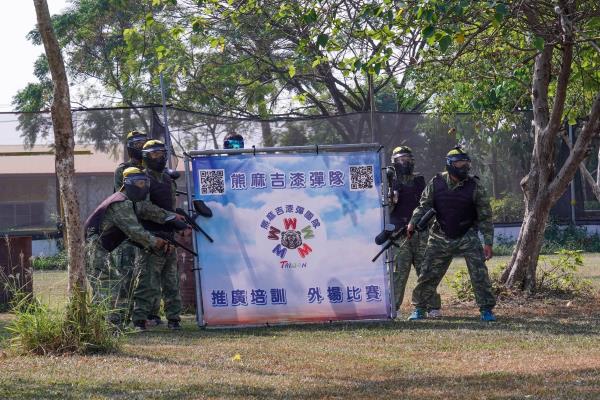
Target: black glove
(178, 225)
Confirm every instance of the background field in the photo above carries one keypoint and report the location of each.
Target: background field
(545, 350)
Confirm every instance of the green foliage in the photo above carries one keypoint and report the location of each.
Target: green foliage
(558, 276)
(12, 284)
(50, 263)
(82, 328)
(508, 208)
(461, 286)
(503, 246)
(571, 237)
(556, 238)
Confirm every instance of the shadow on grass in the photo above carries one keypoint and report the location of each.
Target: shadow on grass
(579, 384)
(555, 326)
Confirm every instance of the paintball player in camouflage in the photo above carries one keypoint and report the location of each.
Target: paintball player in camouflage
(406, 191)
(124, 256)
(113, 221)
(135, 144)
(462, 208)
(159, 270)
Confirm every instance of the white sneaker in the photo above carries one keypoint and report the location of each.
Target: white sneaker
(435, 313)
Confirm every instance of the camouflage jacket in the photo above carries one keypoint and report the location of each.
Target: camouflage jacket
(124, 215)
(482, 205)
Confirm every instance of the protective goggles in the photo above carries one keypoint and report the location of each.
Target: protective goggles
(137, 142)
(155, 153)
(457, 157)
(402, 157)
(234, 143)
(138, 180)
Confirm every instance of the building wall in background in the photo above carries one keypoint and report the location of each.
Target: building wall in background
(28, 202)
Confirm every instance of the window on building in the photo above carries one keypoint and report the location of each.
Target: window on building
(21, 215)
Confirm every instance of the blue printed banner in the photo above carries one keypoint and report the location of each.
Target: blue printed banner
(293, 237)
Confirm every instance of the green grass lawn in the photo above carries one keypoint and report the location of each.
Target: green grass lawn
(548, 351)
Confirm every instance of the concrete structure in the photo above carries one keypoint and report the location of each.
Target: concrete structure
(29, 199)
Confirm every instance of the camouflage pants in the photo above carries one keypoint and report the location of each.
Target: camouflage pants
(438, 257)
(157, 272)
(409, 253)
(105, 280)
(124, 259)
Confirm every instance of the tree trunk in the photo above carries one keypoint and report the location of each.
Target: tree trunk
(267, 134)
(543, 187)
(525, 257)
(598, 171)
(64, 145)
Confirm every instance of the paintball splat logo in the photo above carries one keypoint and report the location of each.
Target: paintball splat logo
(292, 231)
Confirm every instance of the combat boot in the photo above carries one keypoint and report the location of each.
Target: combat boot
(174, 325)
(140, 326)
(488, 315)
(417, 314)
(154, 320)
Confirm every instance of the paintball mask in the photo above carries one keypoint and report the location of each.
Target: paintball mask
(404, 162)
(136, 184)
(233, 141)
(458, 163)
(135, 144)
(154, 155)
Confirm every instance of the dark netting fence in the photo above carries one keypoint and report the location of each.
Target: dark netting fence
(500, 152)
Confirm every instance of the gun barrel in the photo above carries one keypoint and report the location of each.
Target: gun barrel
(424, 221)
(176, 243)
(193, 224)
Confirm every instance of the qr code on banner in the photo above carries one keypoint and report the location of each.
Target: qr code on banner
(361, 177)
(212, 181)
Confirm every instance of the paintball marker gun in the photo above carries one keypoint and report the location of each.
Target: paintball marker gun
(174, 242)
(391, 235)
(190, 220)
(389, 199)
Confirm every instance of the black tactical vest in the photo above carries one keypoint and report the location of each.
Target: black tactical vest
(111, 237)
(161, 194)
(455, 209)
(408, 200)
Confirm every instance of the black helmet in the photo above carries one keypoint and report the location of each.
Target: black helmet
(135, 183)
(454, 155)
(155, 155)
(135, 143)
(403, 159)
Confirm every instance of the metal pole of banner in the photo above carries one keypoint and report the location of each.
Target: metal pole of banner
(198, 286)
(311, 149)
(166, 122)
(573, 201)
(389, 254)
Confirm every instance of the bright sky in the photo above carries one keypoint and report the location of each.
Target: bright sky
(17, 18)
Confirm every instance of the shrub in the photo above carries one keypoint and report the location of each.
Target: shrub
(50, 263)
(460, 283)
(558, 277)
(503, 246)
(82, 328)
(508, 208)
(556, 237)
(12, 285)
(571, 237)
(555, 278)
